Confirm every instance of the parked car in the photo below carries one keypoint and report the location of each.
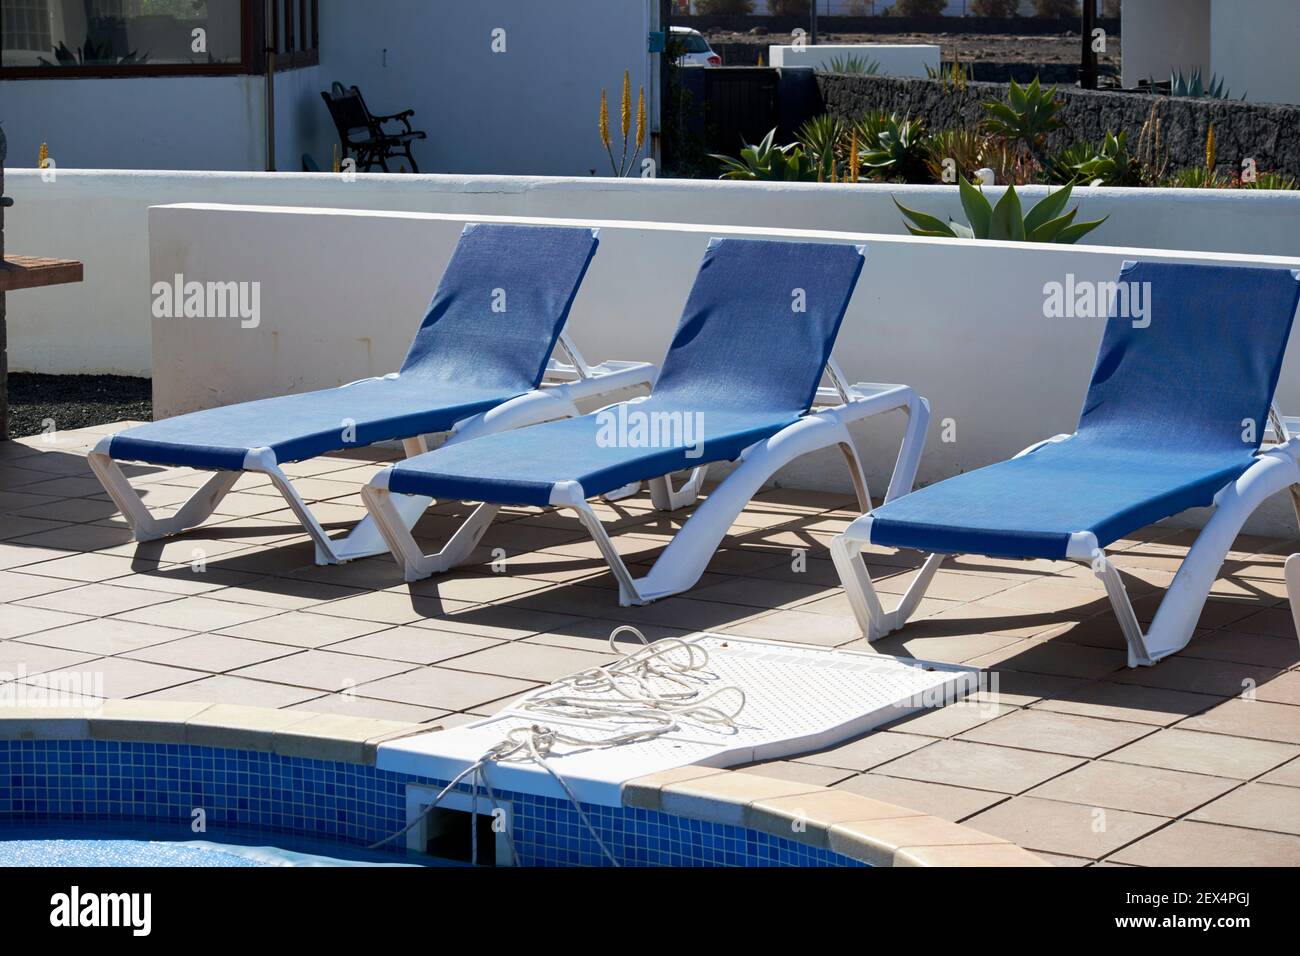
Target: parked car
(698, 52)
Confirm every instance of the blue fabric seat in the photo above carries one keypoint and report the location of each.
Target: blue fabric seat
(1175, 411)
(486, 338)
(745, 362)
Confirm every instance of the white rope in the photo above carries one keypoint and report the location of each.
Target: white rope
(647, 691)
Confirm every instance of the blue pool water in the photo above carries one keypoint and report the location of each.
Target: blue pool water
(118, 844)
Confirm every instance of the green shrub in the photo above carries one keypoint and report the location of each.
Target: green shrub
(994, 8)
(1046, 222)
(767, 161)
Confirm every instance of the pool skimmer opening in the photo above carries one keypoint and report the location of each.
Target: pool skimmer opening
(444, 831)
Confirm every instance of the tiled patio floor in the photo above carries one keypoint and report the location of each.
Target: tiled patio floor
(1196, 760)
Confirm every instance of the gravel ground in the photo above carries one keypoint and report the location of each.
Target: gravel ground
(75, 401)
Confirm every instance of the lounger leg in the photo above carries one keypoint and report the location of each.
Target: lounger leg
(416, 565)
(145, 526)
(875, 621)
(627, 589)
(1293, 589)
(325, 553)
(1176, 618)
(909, 453)
(665, 498)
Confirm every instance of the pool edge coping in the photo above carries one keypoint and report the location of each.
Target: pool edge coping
(859, 827)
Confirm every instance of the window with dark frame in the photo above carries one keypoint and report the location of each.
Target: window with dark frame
(46, 39)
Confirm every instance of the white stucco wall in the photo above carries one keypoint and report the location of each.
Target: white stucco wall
(895, 59)
(100, 217)
(975, 342)
(1161, 36)
(1253, 47)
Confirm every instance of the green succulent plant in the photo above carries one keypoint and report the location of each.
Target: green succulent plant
(1195, 85)
(1112, 165)
(767, 161)
(822, 139)
(1273, 180)
(1027, 117)
(1062, 168)
(853, 63)
(1199, 177)
(1045, 222)
(891, 147)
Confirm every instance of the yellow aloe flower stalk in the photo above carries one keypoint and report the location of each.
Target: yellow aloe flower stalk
(853, 157)
(604, 120)
(627, 104)
(640, 119)
(1210, 150)
(43, 156)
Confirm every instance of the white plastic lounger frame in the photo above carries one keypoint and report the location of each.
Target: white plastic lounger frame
(1276, 468)
(688, 554)
(564, 385)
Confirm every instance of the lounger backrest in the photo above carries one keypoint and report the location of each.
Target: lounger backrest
(1194, 362)
(502, 302)
(759, 325)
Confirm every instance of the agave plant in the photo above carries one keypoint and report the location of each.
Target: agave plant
(1045, 222)
(893, 147)
(1199, 177)
(767, 161)
(967, 149)
(1112, 165)
(853, 63)
(1062, 168)
(1195, 85)
(1027, 117)
(1272, 180)
(822, 138)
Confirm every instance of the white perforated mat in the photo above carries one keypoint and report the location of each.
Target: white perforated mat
(798, 698)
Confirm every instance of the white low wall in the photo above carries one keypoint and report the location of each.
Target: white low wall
(963, 322)
(895, 59)
(100, 217)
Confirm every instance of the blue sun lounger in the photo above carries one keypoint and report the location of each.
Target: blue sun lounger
(476, 366)
(739, 383)
(1173, 419)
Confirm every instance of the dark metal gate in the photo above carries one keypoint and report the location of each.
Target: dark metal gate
(740, 105)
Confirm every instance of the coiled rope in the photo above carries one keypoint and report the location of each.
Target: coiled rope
(649, 690)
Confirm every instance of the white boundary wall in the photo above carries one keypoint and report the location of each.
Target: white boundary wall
(962, 321)
(895, 59)
(100, 217)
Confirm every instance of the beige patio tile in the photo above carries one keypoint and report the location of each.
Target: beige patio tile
(1047, 656)
(76, 537)
(1165, 793)
(20, 621)
(1276, 622)
(182, 579)
(443, 689)
(949, 721)
(416, 645)
(104, 636)
(97, 600)
(923, 642)
(16, 585)
(20, 660)
(1213, 754)
(501, 622)
(14, 526)
(281, 593)
(1259, 806)
(867, 752)
(323, 670)
(197, 614)
(796, 772)
(90, 567)
(1130, 702)
(940, 800)
(1187, 843)
(1223, 678)
(210, 652)
(353, 706)
(1250, 718)
(760, 592)
(302, 630)
(1021, 688)
(801, 626)
(387, 607)
(127, 678)
(592, 634)
(1057, 733)
(1068, 828)
(473, 588)
(224, 689)
(946, 585)
(981, 766)
(1283, 689)
(1054, 595)
(531, 662)
(1287, 775)
(724, 797)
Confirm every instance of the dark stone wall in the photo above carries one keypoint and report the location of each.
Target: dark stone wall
(1269, 134)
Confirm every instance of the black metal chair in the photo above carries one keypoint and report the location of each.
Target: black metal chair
(362, 133)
